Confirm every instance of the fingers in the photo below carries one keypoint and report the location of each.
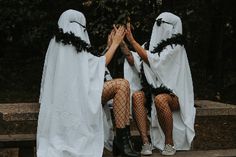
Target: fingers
(112, 32)
(114, 27)
(122, 29)
(119, 34)
(128, 26)
(111, 35)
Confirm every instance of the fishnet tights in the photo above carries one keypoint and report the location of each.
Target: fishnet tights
(140, 114)
(165, 104)
(119, 91)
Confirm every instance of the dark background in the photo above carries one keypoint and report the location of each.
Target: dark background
(208, 25)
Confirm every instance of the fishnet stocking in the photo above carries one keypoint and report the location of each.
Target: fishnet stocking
(119, 91)
(140, 114)
(165, 104)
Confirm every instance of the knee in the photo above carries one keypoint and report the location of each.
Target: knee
(124, 84)
(138, 94)
(137, 97)
(157, 99)
(160, 101)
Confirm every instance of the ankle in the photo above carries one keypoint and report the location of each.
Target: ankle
(170, 142)
(146, 140)
(146, 143)
(121, 127)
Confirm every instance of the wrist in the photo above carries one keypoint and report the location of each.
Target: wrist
(127, 54)
(116, 44)
(132, 41)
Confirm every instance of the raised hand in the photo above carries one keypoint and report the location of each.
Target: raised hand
(129, 34)
(119, 34)
(110, 37)
(138, 48)
(116, 40)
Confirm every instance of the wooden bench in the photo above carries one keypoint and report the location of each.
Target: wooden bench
(18, 125)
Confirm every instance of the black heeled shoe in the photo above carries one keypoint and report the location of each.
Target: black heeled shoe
(121, 144)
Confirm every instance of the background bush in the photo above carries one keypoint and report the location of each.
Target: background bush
(209, 27)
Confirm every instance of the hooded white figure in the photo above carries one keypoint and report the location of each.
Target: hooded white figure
(70, 122)
(170, 68)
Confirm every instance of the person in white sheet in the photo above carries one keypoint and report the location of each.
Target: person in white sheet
(165, 74)
(70, 122)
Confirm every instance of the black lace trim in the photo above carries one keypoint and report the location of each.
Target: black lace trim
(177, 39)
(71, 39)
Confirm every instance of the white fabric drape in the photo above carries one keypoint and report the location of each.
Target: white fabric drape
(171, 69)
(108, 125)
(131, 73)
(70, 122)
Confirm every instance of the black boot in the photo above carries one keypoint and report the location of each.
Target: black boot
(121, 144)
(128, 133)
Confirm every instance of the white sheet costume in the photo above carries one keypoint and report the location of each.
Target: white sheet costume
(70, 120)
(170, 68)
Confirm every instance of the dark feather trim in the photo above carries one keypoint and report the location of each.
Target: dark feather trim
(71, 39)
(177, 39)
(161, 89)
(146, 89)
(149, 90)
(146, 45)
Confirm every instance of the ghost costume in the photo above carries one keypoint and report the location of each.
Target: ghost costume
(70, 122)
(170, 68)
